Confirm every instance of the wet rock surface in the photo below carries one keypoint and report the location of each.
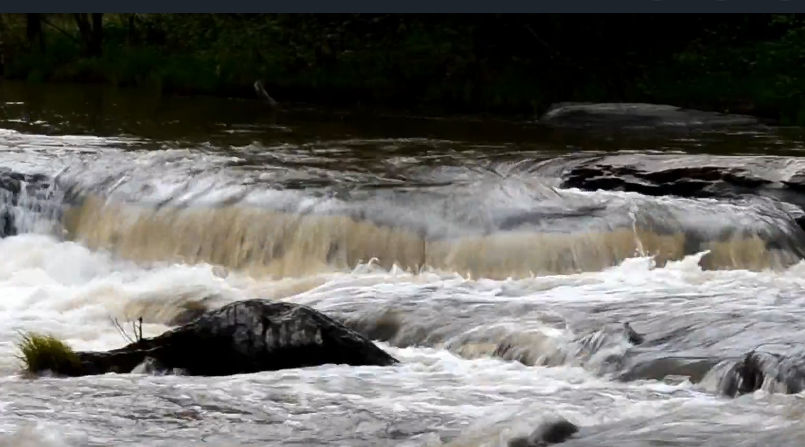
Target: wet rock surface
(153, 367)
(243, 337)
(694, 369)
(553, 431)
(23, 195)
(778, 369)
(689, 175)
(695, 176)
(634, 337)
(625, 115)
(14, 182)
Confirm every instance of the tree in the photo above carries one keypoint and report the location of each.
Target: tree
(33, 30)
(91, 28)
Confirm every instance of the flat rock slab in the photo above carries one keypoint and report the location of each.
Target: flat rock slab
(243, 337)
(550, 432)
(585, 115)
(692, 176)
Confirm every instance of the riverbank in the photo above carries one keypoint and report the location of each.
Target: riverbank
(447, 64)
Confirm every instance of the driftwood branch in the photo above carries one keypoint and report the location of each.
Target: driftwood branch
(61, 30)
(542, 42)
(137, 331)
(140, 334)
(120, 329)
(261, 91)
(551, 49)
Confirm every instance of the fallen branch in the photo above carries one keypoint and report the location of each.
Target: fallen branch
(138, 332)
(61, 30)
(261, 91)
(141, 328)
(120, 329)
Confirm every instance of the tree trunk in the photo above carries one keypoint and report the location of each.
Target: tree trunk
(96, 49)
(131, 35)
(3, 39)
(91, 33)
(33, 30)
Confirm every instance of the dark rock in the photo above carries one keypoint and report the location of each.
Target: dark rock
(687, 176)
(24, 198)
(243, 337)
(763, 182)
(152, 367)
(626, 115)
(694, 176)
(519, 441)
(549, 432)
(632, 335)
(781, 368)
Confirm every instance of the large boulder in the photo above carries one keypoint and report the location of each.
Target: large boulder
(626, 115)
(243, 337)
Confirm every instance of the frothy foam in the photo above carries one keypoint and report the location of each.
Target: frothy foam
(63, 288)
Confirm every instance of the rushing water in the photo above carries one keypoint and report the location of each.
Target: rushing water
(451, 241)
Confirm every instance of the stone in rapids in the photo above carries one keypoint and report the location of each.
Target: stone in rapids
(240, 338)
(554, 431)
(777, 368)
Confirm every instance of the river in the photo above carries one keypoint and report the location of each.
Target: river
(460, 234)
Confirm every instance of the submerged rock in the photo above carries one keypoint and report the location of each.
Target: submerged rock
(771, 186)
(549, 432)
(637, 115)
(239, 338)
(651, 367)
(632, 335)
(24, 199)
(777, 369)
(153, 367)
(688, 175)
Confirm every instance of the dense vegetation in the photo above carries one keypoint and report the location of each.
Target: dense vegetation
(749, 63)
(40, 353)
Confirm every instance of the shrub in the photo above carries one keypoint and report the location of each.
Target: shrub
(41, 353)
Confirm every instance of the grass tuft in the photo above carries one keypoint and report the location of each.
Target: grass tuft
(41, 353)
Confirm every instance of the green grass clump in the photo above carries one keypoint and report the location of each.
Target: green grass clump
(41, 353)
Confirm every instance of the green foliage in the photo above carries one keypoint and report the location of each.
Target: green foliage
(751, 63)
(761, 76)
(41, 353)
